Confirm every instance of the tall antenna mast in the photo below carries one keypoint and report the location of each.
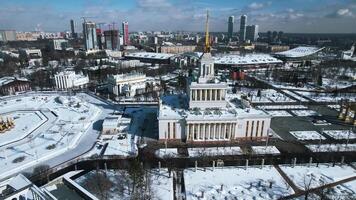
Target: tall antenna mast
(207, 39)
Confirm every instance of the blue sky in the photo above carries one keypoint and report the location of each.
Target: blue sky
(329, 16)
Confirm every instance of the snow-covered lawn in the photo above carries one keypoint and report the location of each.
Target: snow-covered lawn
(120, 147)
(25, 122)
(265, 150)
(214, 151)
(231, 182)
(278, 113)
(296, 96)
(115, 184)
(340, 134)
(167, 153)
(269, 95)
(328, 97)
(307, 135)
(65, 124)
(281, 107)
(313, 176)
(331, 147)
(335, 107)
(304, 113)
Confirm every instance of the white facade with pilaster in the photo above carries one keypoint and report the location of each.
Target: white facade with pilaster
(208, 114)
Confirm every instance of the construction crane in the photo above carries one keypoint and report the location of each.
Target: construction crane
(85, 18)
(207, 39)
(113, 25)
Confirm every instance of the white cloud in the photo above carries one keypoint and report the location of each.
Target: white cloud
(255, 6)
(344, 12)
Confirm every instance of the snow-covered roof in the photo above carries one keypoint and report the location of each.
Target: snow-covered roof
(150, 55)
(174, 107)
(299, 52)
(248, 59)
(7, 79)
(111, 122)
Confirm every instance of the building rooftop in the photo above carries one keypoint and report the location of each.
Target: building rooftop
(8, 79)
(248, 59)
(175, 107)
(132, 75)
(150, 55)
(299, 52)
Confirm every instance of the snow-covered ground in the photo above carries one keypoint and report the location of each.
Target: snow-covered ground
(335, 107)
(120, 147)
(278, 113)
(214, 151)
(307, 135)
(167, 153)
(340, 134)
(269, 95)
(304, 113)
(115, 184)
(265, 150)
(68, 119)
(25, 123)
(296, 96)
(328, 97)
(281, 107)
(231, 182)
(313, 176)
(331, 147)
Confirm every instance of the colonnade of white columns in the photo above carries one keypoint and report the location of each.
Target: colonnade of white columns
(207, 94)
(211, 131)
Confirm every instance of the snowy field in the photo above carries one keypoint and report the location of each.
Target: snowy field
(120, 147)
(67, 121)
(281, 107)
(335, 107)
(234, 182)
(340, 134)
(332, 147)
(307, 135)
(313, 176)
(214, 151)
(167, 153)
(269, 95)
(278, 113)
(296, 96)
(25, 123)
(265, 150)
(304, 113)
(115, 184)
(328, 97)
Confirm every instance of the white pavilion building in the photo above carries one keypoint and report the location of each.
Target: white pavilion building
(208, 113)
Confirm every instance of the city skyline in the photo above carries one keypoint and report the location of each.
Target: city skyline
(295, 16)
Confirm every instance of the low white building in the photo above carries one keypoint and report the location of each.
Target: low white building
(19, 187)
(126, 84)
(68, 79)
(208, 114)
(115, 124)
(59, 44)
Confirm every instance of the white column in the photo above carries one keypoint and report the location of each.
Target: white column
(211, 95)
(196, 95)
(206, 94)
(198, 135)
(209, 125)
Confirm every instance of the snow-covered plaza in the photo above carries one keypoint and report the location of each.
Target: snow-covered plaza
(46, 126)
(231, 182)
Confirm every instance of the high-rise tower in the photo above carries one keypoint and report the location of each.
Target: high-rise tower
(230, 26)
(125, 33)
(73, 35)
(243, 23)
(90, 39)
